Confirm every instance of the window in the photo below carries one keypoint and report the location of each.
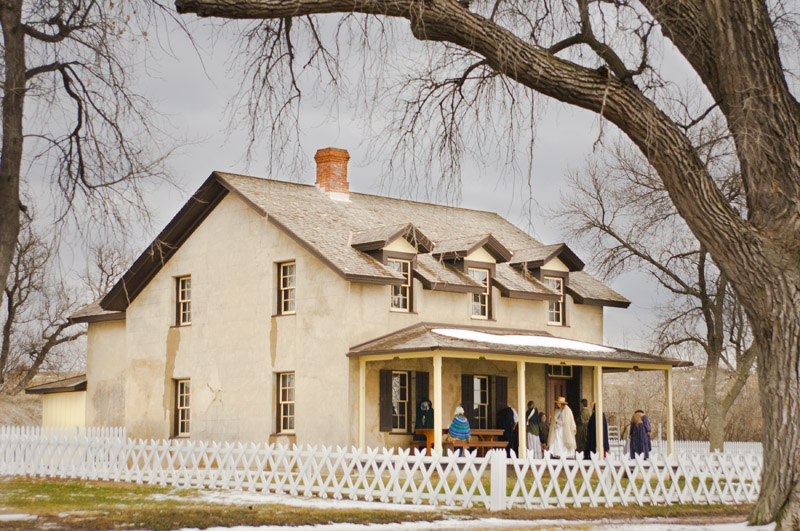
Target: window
(560, 371)
(555, 309)
(480, 301)
(184, 301)
(286, 288)
(286, 402)
(400, 401)
(480, 404)
(182, 393)
(401, 295)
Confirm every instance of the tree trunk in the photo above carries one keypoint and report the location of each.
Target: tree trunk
(11, 154)
(779, 378)
(716, 422)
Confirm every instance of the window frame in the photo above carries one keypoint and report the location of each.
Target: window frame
(181, 300)
(289, 404)
(555, 307)
(407, 285)
(287, 293)
(183, 390)
(563, 371)
(481, 422)
(487, 294)
(404, 415)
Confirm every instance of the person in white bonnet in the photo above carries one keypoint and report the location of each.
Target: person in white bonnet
(562, 431)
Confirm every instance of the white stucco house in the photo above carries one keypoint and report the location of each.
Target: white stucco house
(269, 310)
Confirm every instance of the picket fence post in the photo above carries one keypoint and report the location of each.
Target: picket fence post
(497, 481)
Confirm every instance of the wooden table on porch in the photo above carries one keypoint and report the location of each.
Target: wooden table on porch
(477, 435)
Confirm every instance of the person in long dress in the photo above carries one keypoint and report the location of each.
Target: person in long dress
(532, 430)
(583, 425)
(562, 430)
(640, 434)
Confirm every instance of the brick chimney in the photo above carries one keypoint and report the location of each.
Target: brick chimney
(332, 172)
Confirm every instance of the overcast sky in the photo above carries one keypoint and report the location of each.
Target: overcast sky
(194, 94)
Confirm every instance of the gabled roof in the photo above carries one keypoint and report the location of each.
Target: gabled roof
(488, 340)
(67, 385)
(461, 247)
(379, 237)
(327, 229)
(539, 256)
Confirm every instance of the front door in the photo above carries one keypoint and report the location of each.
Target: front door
(558, 387)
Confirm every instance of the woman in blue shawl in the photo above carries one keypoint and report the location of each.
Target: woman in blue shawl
(459, 427)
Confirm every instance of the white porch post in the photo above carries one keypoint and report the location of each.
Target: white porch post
(437, 404)
(598, 411)
(670, 428)
(521, 405)
(362, 402)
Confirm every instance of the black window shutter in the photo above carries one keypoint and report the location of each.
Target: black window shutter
(500, 396)
(468, 398)
(422, 383)
(386, 400)
(421, 379)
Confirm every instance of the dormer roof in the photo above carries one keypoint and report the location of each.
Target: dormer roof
(534, 257)
(377, 238)
(461, 247)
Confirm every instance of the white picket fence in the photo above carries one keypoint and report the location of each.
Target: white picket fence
(381, 474)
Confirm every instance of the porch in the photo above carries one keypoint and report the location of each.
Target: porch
(517, 366)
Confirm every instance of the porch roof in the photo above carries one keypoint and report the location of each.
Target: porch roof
(488, 340)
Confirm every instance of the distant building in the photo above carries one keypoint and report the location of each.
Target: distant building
(63, 402)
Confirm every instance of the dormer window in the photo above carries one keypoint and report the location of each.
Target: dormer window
(555, 309)
(481, 302)
(401, 295)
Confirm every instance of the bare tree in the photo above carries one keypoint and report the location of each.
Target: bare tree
(620, 208)
(596, 54)
(35, 327)
(65, 73)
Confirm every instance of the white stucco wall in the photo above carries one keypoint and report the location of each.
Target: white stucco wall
(106, 367)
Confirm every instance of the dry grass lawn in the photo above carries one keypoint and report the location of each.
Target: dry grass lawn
(73, 505)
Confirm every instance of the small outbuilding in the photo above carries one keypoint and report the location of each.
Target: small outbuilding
(63, 402)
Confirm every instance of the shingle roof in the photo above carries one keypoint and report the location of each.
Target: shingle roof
(436, 274)
(326, 228)
(430, 336)
(93, 312)
(538, 256)
(586, 289)
(67, 385)
(520, 285)
(378, 237)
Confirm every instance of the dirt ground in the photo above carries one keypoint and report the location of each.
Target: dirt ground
(21, 410)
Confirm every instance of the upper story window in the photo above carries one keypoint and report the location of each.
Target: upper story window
(401, 295)
(184, 310)
(480, 301)
(555, 309)
(286, 402)
(182, 393)
(287, 273)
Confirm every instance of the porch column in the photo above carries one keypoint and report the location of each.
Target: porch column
(670, 435)
(598, 411)
(437, 404)
(362, 402)
(521, 405)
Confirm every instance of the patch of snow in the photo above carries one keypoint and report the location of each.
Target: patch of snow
(227, 497)
(520, 340)
(20, 517)
(499, 523)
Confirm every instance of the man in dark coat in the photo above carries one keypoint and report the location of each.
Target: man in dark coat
(591, 436)
(507, 421)
(424, 418)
